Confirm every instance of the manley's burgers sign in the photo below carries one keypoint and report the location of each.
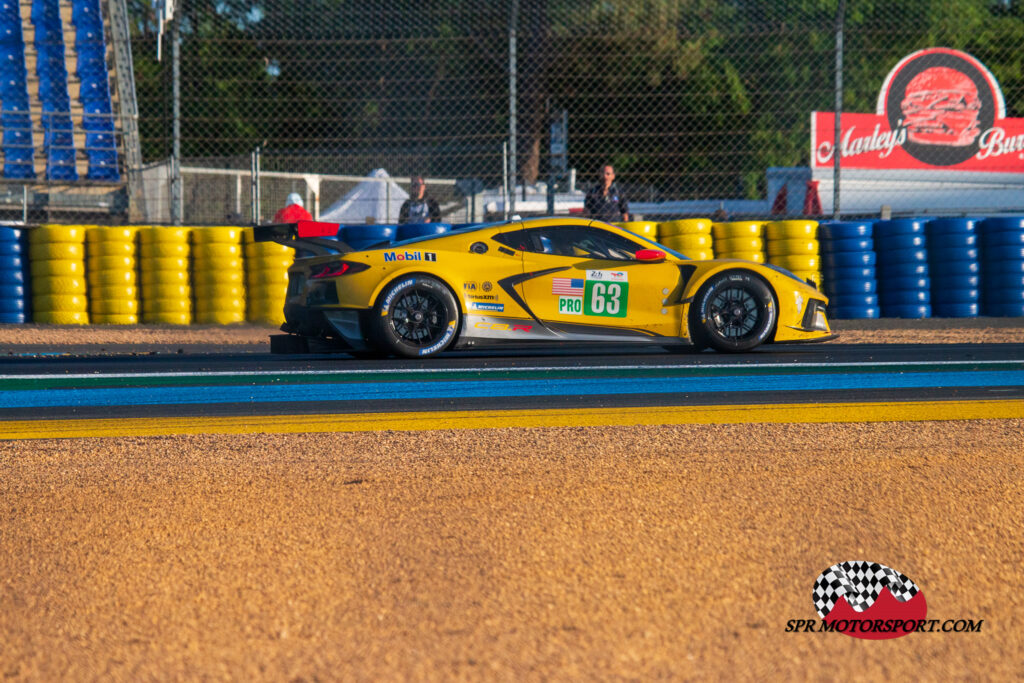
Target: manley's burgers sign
(939, 109)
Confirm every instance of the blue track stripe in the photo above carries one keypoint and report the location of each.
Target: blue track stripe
(596, 388)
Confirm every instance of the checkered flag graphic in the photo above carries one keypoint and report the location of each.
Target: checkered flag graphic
(860, 583)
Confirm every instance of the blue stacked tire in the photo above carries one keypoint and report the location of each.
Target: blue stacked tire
(409, 231)
(953, 261)
(365, 236)
(12, 276)
(1002, 266)
(848, 268)
(903, 283)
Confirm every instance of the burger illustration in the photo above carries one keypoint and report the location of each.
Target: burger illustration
(940, 107)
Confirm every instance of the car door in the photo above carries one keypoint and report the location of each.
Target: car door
(585, 282)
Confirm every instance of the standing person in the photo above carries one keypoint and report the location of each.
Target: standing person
(419, 207)
(605, 201)
(293, 211)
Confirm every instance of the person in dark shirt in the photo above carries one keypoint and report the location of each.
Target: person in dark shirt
(419, 207)
(605, 201)
(293, 211)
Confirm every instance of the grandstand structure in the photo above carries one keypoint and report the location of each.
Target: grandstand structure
(67, 107)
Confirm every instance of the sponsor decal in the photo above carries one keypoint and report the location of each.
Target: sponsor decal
(569, 286)
(871, 601)
(444, 340)
(469, 286)
(390, 256)
(606, 299)
(570, 305)
(938, 109)
(484, 297)
(394, 292)
(482, 306)
(608, 275)
(487, 286)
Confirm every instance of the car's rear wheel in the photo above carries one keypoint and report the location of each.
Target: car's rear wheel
(733, 311)
(416, 316)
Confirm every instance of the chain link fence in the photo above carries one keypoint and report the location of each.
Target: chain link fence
(700, 105)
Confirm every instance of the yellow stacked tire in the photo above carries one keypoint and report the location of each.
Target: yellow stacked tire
(690, 237)
(739, 239)
(164, 275)
(111, 271)
(266, 279)
(648, 229)
(793, 245)
(218, 275)
(57, 266)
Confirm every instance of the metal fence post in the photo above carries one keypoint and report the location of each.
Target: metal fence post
(838, 145)
(176, 201)
(512, 105)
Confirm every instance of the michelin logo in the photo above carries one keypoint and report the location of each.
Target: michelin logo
(480, 306)
(409, 256)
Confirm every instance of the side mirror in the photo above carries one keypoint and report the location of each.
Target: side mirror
(650, 255)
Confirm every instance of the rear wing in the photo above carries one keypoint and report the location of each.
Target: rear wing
(314, 236)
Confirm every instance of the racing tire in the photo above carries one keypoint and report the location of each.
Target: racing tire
(95, 263)
(1005, 310)
(415, 316)
(910, 282)
(848, 259)
(164, 277)
(793, 247)
(166, 291)
(791, 230)
(60, 317)
(217, 252)
(949, 269)
(167, 317)
(12, 318)
(691, 242)
(753, 256)
(733, 245)
(797, 262)
(698, 254)
(687, 226)
(843, 231)
(898, 226)
(220, 317)
(11, 262)
(164, 235)
(892, 270)
(57, 250)
(1009, 238)
(100, 234)
(947, 254)
(56, 233)
(907, 311)
(854, 286)
(1008, 266)
(165, 263)
(734, 311)
(58, 285)
(8, 249)
(900, 256)
(961, 310)
(13, 276)
(12, 290)
(889, 243)
(724, 231)
(853, 312)
(57, 268)
(956, 240)
(950, 226)
(843, 301)
(861, 273)
(162, 250)
(1005, 296)
(905, 297)
(219, 235)
(113, 292)
(648, 229)
(12, 305)
(99, 249)
(996, 281)
(10, 234)
(114, 307)
(848, 244)
(955, 296)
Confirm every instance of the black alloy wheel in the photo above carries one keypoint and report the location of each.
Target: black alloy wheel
(733, 311)
(416, 316)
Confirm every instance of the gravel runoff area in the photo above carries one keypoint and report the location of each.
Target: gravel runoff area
(121, 338)
(510, 554)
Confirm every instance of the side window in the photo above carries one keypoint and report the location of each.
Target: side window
(516, 239)
(586, 242)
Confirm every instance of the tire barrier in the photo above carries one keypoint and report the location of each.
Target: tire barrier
(793, 245)
(12, 276)
(218, 275)
(111, 274)
(165, 284)
(266, 278)
(57, 267)
(848, 262)
(740, 239)
(952, 253)
(1002, 266)
(408, 231)
(691, 237)
(648, 229)
(901, 245)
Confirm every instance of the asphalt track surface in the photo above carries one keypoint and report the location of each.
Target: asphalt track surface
(206, 383)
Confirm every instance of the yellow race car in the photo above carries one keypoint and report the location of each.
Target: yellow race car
(545, 280)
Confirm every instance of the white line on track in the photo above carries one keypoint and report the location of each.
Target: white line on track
(553, 368)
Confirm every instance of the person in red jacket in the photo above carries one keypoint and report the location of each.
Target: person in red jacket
(293, 211)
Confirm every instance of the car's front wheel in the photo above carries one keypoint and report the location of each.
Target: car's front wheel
(416, 316)
(733, 311)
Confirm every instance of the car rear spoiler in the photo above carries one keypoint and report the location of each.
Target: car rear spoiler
(315, 236)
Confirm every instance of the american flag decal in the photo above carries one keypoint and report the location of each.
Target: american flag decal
(567, 286)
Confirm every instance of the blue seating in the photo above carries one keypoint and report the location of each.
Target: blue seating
(19, 152)
(91, 69)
